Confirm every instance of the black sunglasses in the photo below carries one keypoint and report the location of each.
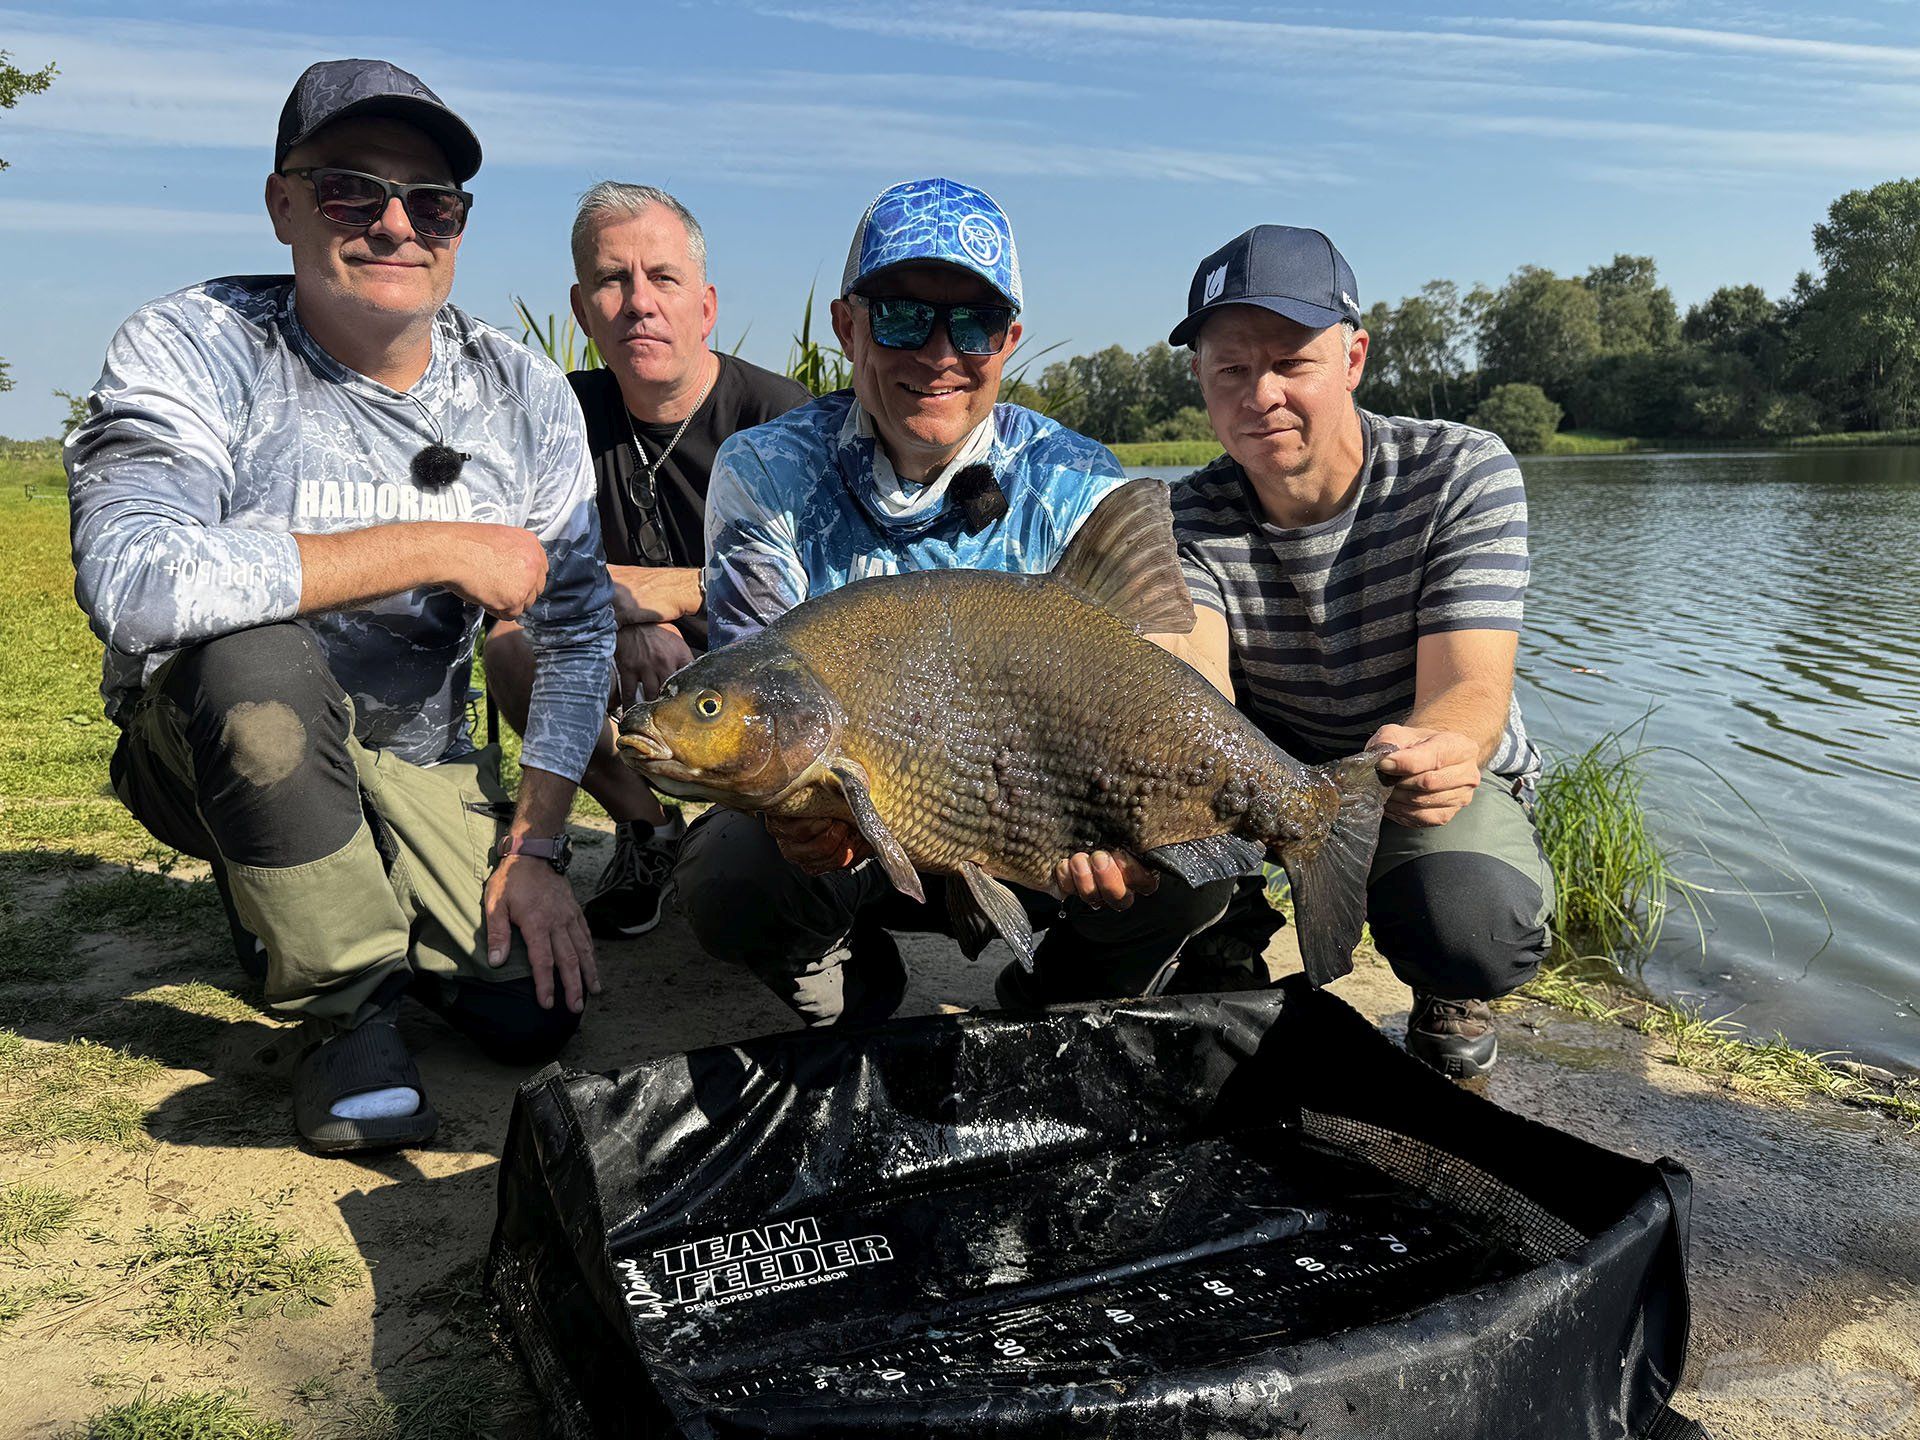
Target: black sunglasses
(356, 199)
(902, 324)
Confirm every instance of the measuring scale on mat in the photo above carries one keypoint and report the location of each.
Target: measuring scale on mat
(1089, 1272)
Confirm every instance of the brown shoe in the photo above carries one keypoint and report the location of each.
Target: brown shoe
(1455, 1037)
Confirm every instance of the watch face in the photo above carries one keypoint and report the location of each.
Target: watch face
(562, 853)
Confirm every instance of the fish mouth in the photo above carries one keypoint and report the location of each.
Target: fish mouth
(648, 749)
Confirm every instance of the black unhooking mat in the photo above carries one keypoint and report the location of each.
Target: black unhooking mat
(1228, 1215)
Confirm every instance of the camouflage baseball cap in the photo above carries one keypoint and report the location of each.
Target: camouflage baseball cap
(334, 89)
(937, 219)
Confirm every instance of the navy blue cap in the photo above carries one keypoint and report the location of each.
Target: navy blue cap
(335, 89)
(1295, 273)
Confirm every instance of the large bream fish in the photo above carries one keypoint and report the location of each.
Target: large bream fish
(985, 726)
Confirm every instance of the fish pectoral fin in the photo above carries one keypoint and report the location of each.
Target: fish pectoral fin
(893, 859)
(983, 907)
(1212, 857)
(971, 927)
(1123, 559)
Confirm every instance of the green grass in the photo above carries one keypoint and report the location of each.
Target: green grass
(193, 1415)
(1772, 1069)
(1184, 454)
(77, 1092)
(1594, 442)
(32, 1213)
(54, 740)
(1842, 439)
(209, 1276)
(17, 1300)
(1613, 875)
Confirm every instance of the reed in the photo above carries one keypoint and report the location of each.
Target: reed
(1613, 875)
(560, 340)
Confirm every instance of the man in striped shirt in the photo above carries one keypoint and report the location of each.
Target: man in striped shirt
(1359, 579)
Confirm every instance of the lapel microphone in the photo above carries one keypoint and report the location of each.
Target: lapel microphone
(438, 466)
(978, 494)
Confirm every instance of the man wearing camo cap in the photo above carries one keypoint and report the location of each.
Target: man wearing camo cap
(294, 498)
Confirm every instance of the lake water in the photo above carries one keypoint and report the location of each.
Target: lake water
(1759, 613)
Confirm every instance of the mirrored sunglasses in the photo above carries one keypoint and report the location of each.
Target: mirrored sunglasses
(356, 199)
(902, 324)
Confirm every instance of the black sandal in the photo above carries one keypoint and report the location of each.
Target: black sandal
(369, 1057)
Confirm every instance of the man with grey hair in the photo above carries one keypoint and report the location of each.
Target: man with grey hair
(656, 414)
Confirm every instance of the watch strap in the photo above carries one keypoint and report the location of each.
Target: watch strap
(550, 848)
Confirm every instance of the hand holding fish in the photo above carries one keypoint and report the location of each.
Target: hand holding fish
(1104, 879)
(1434, 773)
(817, 845)
(647, 654)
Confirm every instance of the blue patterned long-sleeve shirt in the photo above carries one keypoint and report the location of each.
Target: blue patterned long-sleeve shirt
(794, 510)
(220, 429)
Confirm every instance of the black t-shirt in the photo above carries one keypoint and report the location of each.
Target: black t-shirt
(743, 396)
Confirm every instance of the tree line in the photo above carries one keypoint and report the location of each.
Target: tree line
(1607, 350)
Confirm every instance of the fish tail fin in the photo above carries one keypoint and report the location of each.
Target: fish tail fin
(1328, 872)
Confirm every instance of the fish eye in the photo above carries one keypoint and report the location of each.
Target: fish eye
(708, 704)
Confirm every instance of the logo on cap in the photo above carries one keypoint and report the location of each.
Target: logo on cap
(981, 238)
(1352, 304)
(1216, 282)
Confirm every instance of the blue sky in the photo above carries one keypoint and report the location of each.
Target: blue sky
(1126, 140)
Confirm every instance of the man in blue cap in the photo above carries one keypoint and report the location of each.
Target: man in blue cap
(1359, 579)
(918, 468)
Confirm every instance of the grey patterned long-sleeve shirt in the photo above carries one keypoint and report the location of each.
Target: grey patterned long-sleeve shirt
(220, 429)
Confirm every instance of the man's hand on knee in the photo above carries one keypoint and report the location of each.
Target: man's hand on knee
(1435, 773)
(646, 655)
(816, 845)
(528, 894)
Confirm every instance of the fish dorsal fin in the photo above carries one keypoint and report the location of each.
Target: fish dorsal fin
(1123, 559)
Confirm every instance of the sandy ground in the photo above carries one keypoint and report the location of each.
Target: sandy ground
(1805, 1260)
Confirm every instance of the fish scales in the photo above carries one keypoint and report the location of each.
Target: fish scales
(988, 747)
(987, 726)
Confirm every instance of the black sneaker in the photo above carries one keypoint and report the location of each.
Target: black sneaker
(631, 893)
(1455, 1037)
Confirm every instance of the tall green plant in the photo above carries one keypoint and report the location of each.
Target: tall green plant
(1612, 874)
(560, 341)
(821, 368)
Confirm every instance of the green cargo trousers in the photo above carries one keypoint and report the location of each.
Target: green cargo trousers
(361, 874)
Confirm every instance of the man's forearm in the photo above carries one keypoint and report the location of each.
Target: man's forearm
(354, 567)
(646, 595)
(545, 801)
(1472, 708)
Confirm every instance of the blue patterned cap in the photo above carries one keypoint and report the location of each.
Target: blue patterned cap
(935, 220)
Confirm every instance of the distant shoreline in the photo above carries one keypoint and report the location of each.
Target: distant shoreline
(1192, 454)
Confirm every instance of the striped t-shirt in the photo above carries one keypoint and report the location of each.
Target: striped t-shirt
(1324, 618)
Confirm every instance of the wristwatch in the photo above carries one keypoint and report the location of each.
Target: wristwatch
(556, 850)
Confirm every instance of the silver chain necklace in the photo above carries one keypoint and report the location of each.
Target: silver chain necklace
(640, 451)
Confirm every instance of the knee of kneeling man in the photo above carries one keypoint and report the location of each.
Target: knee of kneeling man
(726, 921)
(267, 694)
(1460, 925)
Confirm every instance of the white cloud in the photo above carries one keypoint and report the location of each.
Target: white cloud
(1668, 39)
(1226, 42)
(1704, 151)
(206, 87)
